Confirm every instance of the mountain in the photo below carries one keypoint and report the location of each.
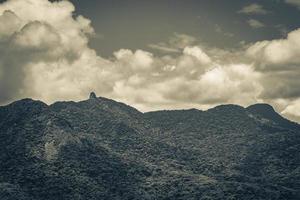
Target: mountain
(103, 149)
(267, 112)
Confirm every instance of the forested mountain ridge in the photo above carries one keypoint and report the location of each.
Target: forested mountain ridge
(103, 149)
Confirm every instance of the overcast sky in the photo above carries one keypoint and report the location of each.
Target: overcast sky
(153, 54)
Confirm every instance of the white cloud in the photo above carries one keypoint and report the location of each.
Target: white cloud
(32, 36)
(39, 33)
(278, 52)
(197, 53)
(255, 23)
(254, 9)
(139, 60)
(292, 109)
(175, 44)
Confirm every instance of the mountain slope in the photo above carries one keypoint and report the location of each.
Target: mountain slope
(103, 149)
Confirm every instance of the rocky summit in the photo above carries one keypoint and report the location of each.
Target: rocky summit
(100, 149)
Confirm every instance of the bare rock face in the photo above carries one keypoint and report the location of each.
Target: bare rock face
(93, 95)
(50, 150)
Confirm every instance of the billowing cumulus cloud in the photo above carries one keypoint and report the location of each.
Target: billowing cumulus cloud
(44, 54)
(279, 52)
(280, 62)
(37, 33)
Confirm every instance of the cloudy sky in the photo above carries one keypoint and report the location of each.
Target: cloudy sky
(164, 54)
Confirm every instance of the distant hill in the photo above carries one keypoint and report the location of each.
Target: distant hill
(100, 149)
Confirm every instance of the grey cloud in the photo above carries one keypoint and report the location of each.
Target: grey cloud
(9, 23)
(294, 3)
(283, 85)
(11, 80)
(11, 77)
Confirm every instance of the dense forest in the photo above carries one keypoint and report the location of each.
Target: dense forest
(102, 149)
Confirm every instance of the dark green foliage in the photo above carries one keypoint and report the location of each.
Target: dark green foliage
(102, 149)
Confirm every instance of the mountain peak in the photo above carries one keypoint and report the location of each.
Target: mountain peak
(268, 112)
(261, 106)
(93, 95)
(263, 109)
